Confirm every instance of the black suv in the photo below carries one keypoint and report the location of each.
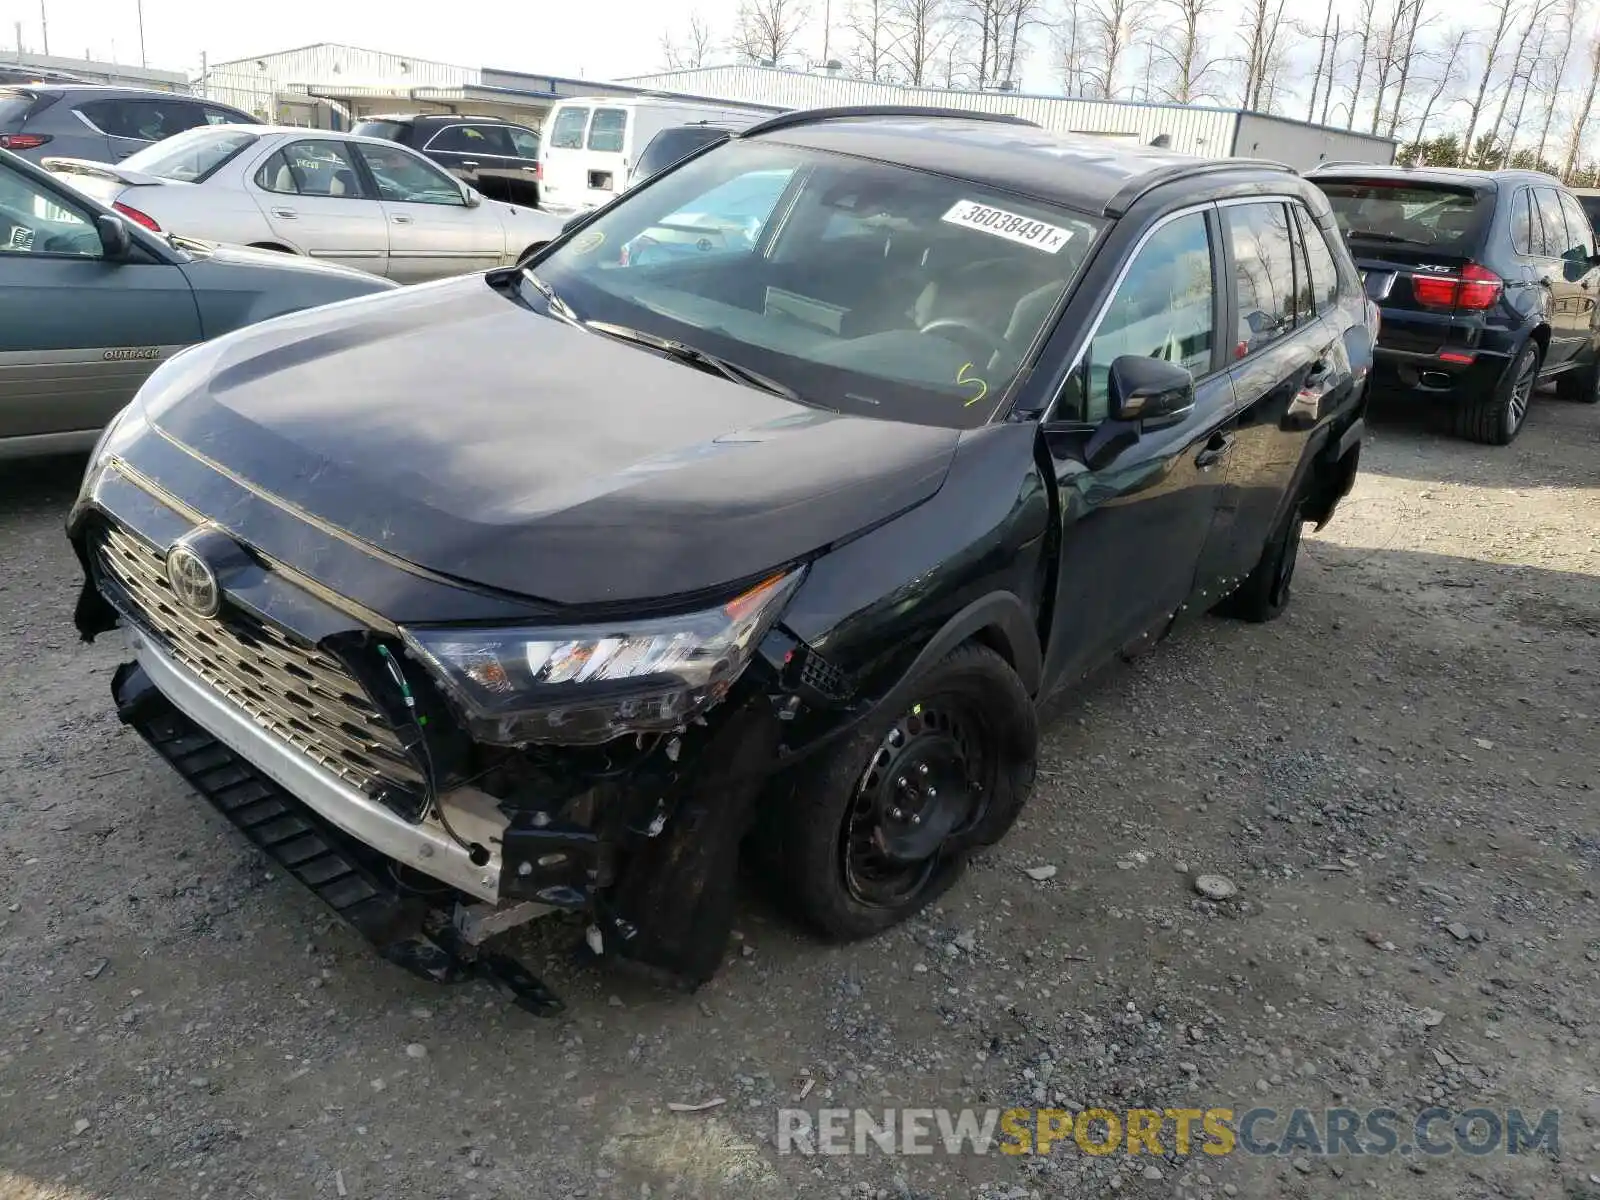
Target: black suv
(498, 157)
(785, 537)
(1487, 282)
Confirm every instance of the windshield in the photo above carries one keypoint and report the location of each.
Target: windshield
(1418, 213)
(864, 287)
(189, 157)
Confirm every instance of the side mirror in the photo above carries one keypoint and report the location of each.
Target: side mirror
(115, 240)
(1149, 391)
(473, 196)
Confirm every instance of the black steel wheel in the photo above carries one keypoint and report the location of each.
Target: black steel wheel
(885, 822)
(1266, 591)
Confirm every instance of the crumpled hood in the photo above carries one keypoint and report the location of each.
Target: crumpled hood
(461, 432)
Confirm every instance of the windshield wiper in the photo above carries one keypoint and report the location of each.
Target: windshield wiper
(697, 357)
(557, 307)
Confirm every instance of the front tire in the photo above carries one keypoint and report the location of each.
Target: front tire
(1496, 419)
(883, 824)
(1266, 591)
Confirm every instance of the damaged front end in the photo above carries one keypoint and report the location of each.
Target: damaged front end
(437, 785)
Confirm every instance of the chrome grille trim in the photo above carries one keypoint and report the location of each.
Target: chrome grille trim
(300, 694)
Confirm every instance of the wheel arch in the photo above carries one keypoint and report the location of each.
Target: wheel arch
(1000, 621)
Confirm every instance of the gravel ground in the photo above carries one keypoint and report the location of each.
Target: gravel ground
(1400, 777)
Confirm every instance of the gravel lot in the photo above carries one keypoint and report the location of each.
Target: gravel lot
(1400, 776)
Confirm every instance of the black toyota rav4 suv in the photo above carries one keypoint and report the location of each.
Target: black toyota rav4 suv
(564, 587)
(1487, 282)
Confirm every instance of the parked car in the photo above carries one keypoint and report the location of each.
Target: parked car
(1589, 201)
(606, 561)
(1487, 282)
(498, 157)
(674, 144)
(589, 144)
(90, 305)
(359, 202)
(105, 124)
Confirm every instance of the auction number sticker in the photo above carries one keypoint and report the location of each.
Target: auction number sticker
(1012, 226)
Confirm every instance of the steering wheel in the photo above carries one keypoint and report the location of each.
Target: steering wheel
(969, 333)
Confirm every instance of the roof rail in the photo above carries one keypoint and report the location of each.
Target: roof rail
(1354, 162)
(1134, 190)
(812, 116)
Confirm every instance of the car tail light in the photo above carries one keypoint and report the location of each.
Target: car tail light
(1475, 289)
(137, 217)
(23, 141)
(538, 170)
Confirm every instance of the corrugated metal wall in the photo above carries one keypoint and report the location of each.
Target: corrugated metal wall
(1302, 146)
(257, 85)
(1204, 131)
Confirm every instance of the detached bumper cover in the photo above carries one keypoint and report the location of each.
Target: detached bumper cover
(345, 873)
(425, 847)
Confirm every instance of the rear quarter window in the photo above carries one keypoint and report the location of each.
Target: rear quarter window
(14, 109)
(567, 131)
(1413, 213)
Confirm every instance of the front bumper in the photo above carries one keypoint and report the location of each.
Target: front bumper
(425, 847)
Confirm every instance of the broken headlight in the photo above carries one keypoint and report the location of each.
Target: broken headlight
(583, 684)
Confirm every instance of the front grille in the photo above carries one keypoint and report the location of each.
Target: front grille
(292, 689)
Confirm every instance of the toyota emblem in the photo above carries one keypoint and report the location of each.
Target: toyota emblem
(194, 583)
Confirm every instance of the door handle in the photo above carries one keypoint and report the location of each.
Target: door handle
(288, 214)
(401, 219)
(1216, 450)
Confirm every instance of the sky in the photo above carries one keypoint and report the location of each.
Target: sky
(554, 36)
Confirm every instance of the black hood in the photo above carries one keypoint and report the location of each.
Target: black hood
(459, 431)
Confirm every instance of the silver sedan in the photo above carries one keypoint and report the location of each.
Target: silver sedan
(352, 200)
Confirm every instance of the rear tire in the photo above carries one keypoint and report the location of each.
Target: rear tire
(1266, 591)
(1496, 419)
(946, 774)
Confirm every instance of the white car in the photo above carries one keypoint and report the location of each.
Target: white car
(359, 201)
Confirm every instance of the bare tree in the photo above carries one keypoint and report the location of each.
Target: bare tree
(1110, 24)
(1073, 47)
(1454, 45)
(1333, 67)
(694, 50)
(1526, 71)
(1263, 54)
(767, 30)
(1536, 21)
(1322, 57)
(922, 34)
(1502, 10)
(999, 27)
(1557, 70)
(1366, 34)
(1407, 55)
(1580, 120)
(1184, 50)
(871, 26)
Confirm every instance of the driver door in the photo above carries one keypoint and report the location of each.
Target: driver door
(78, 333)
(1134, 527)
(432, 231)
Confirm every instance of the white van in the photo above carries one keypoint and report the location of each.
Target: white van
(590, 143)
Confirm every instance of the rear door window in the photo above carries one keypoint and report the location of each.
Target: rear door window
(607, 130)
(145, 120)
(567, 132)
(1579, 232)
(1416, 214)
(524, 142)
(1556, 242)
(1264, 271)
(1324, 282)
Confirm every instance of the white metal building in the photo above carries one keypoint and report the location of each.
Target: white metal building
(48, 68)
(286, 85)
(1188, 129)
